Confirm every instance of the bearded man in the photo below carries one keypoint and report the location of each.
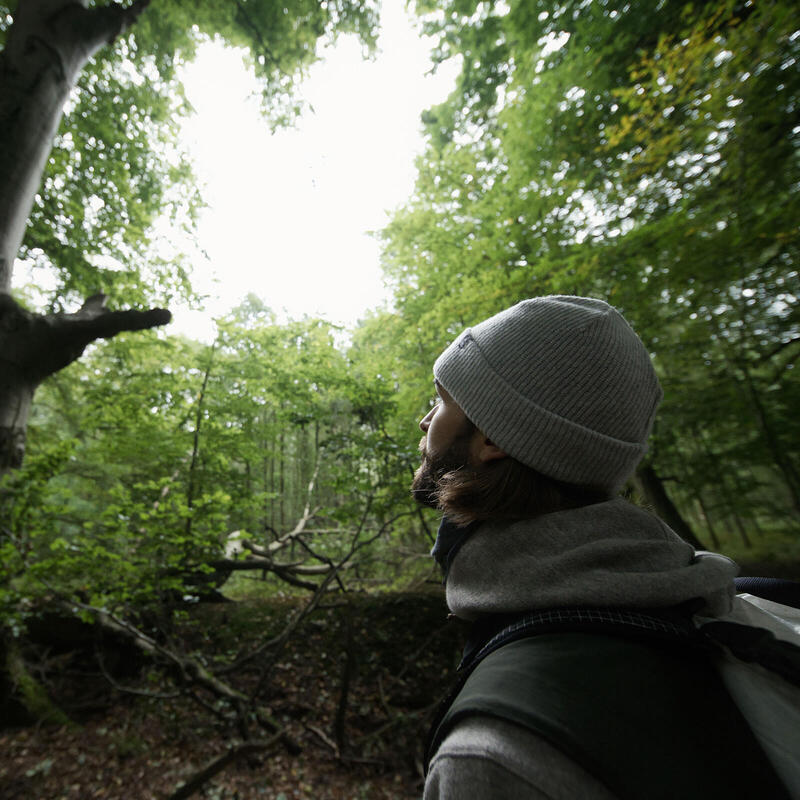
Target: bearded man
(543, 412)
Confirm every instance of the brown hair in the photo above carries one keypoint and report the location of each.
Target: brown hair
(507, 489)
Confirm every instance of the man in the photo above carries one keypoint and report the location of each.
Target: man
(543, 413)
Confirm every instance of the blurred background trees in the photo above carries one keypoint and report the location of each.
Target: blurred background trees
(645, 153)
(641, 152)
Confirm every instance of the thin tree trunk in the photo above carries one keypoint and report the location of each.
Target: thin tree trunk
(779, 453)
(737, 521)
(348, 670)
(281, 479)
(711, 532)
(656, 494)
(198, 421)
(721, 481)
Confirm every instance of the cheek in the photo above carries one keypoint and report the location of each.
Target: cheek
(439, 434)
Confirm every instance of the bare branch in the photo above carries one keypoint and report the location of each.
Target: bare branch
(35, 345)
(327, 561)
(189, 669)
(298, 529)
(325, 738)
(287, 574)
(778, 348)
(214, 767)
(129, 689)
(260, 564)
(275, 643)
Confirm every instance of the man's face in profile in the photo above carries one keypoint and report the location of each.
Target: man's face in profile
(445, 446)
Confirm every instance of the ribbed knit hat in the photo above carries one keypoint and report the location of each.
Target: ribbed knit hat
(562, 384)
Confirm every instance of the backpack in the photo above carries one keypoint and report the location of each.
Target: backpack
(570, 675)
(758, 659)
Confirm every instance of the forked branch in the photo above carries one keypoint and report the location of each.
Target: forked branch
(35, 346)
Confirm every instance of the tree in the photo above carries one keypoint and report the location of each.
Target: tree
(266, 432)
(643, 153)
(263, 453)
(47, 45)
(90, 198)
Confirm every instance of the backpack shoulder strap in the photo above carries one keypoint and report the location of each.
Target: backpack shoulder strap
(758, 646)
(669, 626)
(644, 717)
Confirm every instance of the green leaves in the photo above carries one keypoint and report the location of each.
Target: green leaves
(646, 155)
(178, 445)
(117, 166)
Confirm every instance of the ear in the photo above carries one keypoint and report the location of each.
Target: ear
(486, 450)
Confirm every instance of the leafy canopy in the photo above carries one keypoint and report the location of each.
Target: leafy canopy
(118, 166)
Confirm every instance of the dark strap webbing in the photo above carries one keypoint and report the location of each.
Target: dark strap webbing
(757, 646)
(673, 627)
(647, 719)
(778, 590)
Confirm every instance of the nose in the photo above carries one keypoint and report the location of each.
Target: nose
(425, 422)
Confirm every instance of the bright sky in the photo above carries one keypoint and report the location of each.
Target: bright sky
(289, 213)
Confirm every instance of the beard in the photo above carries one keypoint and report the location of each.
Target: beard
(425, 484)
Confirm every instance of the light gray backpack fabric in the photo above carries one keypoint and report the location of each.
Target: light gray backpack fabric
(769, 702)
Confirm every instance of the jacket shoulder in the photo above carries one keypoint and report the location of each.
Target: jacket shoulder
(644, 719)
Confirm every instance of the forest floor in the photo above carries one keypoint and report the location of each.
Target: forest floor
(356, 687)
(402, 656)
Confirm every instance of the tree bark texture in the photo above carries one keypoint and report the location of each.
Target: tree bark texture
(655, 493)
(48, 44)
(34, 346)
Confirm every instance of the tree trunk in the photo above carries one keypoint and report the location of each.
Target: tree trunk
(282, 479)
(781, 455)
(737, 521)
(34, 346)
(48, 44)
(709, 524)
(348, 670)
(27, 689)
(656, 494)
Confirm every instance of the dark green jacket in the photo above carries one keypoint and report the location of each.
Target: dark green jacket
(650, 720)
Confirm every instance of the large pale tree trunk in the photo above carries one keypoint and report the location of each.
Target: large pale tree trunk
(48, 44)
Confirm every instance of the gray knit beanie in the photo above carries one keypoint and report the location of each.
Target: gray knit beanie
(560, 383)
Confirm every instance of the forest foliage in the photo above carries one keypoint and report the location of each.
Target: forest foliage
(117, 166)
(645, 153)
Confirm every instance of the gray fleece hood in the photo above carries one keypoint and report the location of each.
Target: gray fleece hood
(610, 554)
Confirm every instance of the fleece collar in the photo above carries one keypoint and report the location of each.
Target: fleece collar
(449, 539)
(610, 554)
